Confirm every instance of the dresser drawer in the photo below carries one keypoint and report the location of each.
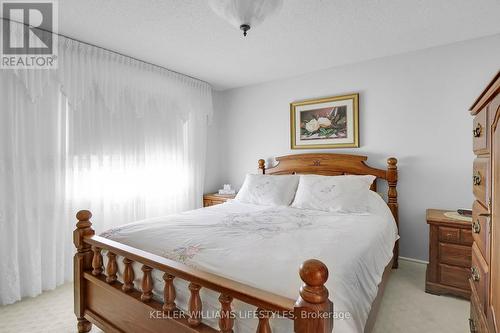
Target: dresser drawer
(466, 237)
(479, 276)
(477, 320)
(454, 276)
(454, 254)
(215, 199)
(211, 202)
(480, 229)
(455, 236)
(449, 235)
(480, 179)
(480, 132)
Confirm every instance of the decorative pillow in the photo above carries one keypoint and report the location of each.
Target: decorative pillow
(347, 194)
(268, 190)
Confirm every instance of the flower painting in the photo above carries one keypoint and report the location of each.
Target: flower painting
(325, 123)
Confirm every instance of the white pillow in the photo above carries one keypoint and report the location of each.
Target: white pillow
(346, 194)
(268, 190)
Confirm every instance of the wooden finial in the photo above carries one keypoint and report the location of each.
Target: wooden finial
(83, 218)
(83, 215)
(313, 310)
(314, 274)
(392, 161)
(83, 229)
(262, 166)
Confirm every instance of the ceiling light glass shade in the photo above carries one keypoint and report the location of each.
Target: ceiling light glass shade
(251, 12)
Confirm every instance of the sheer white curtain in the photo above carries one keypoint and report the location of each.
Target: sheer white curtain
(104, 132)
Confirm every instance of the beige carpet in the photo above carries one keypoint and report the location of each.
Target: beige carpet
(405, 308)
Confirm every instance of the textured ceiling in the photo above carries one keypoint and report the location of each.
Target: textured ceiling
(305, 36)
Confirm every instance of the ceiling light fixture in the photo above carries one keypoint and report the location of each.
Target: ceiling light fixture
(244, 14)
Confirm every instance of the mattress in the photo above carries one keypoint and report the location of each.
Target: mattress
(263, 247)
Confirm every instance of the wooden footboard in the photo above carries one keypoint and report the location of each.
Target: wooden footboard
(118, 307)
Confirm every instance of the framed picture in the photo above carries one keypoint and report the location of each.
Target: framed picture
(325, 123)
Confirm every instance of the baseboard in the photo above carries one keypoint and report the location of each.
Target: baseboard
(414, 260)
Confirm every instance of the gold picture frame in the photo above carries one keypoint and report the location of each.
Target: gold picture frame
(325, 123)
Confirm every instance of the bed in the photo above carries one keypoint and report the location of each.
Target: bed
(236, 266)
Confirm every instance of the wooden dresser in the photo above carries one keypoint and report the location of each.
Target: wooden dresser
(215, 199)
(450, 242)
(485, 270)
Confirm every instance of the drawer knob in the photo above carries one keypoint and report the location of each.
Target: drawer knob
(476, 132)
(476, 178)
(475, 274)
(476, 227)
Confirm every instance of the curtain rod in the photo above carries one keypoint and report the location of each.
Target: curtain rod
(112, 51)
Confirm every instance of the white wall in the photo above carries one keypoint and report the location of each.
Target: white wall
(412, 106)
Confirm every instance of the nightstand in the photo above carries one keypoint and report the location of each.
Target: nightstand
(450, 255)
(216, 199)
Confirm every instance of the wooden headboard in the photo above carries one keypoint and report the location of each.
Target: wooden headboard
(340, 164)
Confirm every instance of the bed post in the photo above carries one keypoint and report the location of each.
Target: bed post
(313, 311)
(392, 200)
(82, 261)
(262, 167)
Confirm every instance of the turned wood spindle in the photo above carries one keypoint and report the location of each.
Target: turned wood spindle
(263, 326)
(392, 200)
(82, 262)
(96, 261)
(168, 293)
(392, 180)
(111, 268)
(194, 305)
(226, 321)
(147, 284)
(262, 167)
(128, 275)
(313, 309)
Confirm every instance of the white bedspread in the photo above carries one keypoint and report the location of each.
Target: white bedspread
(264, 246)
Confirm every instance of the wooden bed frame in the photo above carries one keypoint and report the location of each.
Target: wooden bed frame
(118, 307)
